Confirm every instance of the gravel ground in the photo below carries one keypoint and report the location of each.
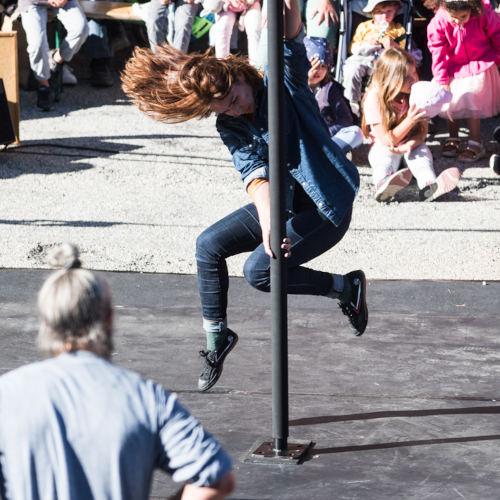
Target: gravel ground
(134, 194)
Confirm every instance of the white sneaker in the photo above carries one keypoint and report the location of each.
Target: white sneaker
(445, 182)
(68, 76)
(389, 186)
(141, 10)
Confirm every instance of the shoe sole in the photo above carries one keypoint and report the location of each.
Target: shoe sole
(398, 181)
(447, 181)
(495, 164)
(363, 304)
(215, 380)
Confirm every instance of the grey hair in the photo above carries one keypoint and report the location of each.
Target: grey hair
(75, 307)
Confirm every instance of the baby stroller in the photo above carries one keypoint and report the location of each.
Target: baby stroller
(346, 32)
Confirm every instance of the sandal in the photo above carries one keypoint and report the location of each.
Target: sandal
(451, 147)
(473, 151)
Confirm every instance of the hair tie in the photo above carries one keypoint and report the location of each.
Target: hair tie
(74, 264)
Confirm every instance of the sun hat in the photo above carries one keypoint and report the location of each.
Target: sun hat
(319, 47)
(373, 3)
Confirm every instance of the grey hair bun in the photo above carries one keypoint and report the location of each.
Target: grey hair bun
(65, 256)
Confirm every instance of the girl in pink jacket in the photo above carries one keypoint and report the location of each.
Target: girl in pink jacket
(464, 40)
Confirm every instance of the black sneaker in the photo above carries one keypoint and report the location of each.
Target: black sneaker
(356, 309)
(213, 362)
(45, 98)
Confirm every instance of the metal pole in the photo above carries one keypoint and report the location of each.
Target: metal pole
(278, 267)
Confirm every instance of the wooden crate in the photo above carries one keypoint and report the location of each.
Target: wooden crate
(9, 75)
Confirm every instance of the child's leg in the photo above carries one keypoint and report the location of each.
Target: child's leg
(73, 19)
(420, 163)
(355, 69)
(35, 25)
(387, 178)
(184, 17)
(348, 138)
(223, 28)
(383, 162)
(453, 128)
(252, 28)
(156, 24)
(474, 125)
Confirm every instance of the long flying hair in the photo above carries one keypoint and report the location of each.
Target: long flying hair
(172, 87)
(388, 77)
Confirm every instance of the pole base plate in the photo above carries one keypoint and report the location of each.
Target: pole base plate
(264, 453)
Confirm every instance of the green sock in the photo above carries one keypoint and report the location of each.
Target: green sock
(216, 332)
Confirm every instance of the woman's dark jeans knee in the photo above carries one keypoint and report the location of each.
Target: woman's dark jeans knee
(311, 235)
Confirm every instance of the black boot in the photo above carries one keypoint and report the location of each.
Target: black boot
(100, 72)
(45, 98)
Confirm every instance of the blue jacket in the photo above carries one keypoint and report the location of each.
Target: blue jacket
(312, 158)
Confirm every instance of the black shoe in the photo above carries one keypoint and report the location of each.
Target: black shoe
(356, 309)
(213, 362)
(100, 72)
(45, 98)
(495, 164)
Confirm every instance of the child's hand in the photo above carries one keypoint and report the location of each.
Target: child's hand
(415, 114)
(326, 12)
(401, 149)
(446, 87)
(315, 63)
(58, 3)
(388, 42)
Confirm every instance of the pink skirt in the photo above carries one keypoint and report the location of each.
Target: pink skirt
(476, 96)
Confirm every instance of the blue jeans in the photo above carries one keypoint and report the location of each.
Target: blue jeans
(97, 46)
(311, 235)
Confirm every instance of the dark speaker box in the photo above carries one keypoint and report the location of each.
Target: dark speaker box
(7, 135)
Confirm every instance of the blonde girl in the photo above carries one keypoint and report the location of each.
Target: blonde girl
(398, 131)
(464, 40)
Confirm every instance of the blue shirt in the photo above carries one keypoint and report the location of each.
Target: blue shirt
(312, 158)
(78, 427)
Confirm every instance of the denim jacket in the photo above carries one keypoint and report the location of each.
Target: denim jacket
(312, 158)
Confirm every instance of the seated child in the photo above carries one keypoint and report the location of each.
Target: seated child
(398, 129)
(370, 38)
(332, 104)
(45, 64)
(248, 14)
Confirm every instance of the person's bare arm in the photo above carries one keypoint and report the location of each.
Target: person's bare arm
(325, 10)
(392, 138)
(218, 491)
(293, 22)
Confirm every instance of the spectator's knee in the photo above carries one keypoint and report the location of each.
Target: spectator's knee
(78, 30)
(256, 276)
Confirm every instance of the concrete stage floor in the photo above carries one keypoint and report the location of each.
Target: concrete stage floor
(407, 411)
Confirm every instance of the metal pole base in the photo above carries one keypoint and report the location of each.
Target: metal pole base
(265, 453)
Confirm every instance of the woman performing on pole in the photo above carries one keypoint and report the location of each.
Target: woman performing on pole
(321, 183)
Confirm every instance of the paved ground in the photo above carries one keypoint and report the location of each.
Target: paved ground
(407, 411)
(134, 194)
